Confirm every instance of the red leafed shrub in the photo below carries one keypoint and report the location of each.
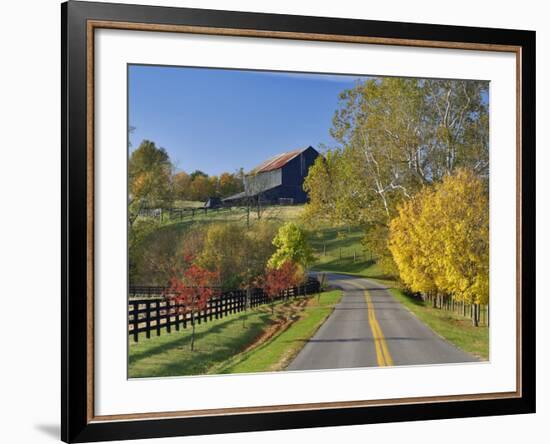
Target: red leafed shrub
(276, 280)
(193, 288)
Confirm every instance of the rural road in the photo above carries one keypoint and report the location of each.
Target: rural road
(370, 328)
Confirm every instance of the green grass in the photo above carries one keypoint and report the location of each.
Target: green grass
(276, 353)
(453, 327)
(339, 250)
(215, 342)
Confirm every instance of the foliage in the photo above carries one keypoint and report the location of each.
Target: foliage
(238, 254)
(225, 250)
(395, 136)
(276, 280)
(198, 186)
(192, 287)
(150, 179)
(292, 245)
(440, 239)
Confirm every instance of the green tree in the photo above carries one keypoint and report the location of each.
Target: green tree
(198, 173)
(150, 179)
(292, 245)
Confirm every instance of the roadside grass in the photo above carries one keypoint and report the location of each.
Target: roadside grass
(453, 327)
(277, 352)
(216, 342)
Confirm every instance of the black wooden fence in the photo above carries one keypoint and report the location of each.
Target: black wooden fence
(153, 312)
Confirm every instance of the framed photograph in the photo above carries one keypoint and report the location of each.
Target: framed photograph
(275, 221)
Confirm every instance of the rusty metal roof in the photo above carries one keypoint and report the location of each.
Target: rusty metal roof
(277, 161)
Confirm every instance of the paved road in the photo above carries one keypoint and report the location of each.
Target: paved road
(371, 328)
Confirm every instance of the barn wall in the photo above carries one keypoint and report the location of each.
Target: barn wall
(260, 182)
(294, 173)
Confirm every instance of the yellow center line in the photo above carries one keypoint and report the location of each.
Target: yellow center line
(383, 356)
(382, 353)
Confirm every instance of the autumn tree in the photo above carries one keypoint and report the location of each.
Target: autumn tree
(440, 239)
(225, 250)
(192, 288)
(150, 179)
(229, 184)
(276, 280)
(395, 136)
(182, 186)
(238, 254)
(201, 188)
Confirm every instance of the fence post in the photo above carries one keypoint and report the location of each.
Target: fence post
(168, 326)
(135, 308)
(148, 319)
(158, 317)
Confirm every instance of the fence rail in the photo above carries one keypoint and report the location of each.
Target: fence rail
(156, 312)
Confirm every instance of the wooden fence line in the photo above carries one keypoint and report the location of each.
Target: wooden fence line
(153, 314)
(476, 312)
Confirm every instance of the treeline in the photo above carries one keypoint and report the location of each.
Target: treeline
(199, 186)
(440, 242)
(408, 152)
(153, 183)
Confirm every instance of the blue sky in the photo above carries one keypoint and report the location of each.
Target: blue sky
(219, 120)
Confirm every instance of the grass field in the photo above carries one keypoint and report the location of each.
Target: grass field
(451, 326)
(276, 353)
(339, 250)
(218, 341)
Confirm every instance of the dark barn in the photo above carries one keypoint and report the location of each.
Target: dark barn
(277, 180)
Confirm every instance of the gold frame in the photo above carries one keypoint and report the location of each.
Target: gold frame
(92, 25)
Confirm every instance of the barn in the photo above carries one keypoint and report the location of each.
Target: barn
(279, 179)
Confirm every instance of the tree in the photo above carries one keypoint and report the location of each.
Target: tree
(150, 179)
(276, 280)
(201, 188)
(229, 184)
(292, 245)
(440, 239)
(182, 186)
(192, 288)
(395, 136)
(225, 250)
(198, 173)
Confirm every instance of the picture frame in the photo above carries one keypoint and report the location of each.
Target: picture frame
(80, 21)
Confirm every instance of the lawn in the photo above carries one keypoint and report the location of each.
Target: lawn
(339, 250)
(451, 326)
(276, 353)
(216, 341)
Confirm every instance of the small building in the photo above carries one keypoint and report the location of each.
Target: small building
(278, 180)
(213, 202)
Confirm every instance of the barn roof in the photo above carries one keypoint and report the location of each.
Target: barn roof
(278, 161)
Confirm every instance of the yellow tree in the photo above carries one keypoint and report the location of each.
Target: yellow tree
(409, 245)
(440, 239)
(462, 202)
